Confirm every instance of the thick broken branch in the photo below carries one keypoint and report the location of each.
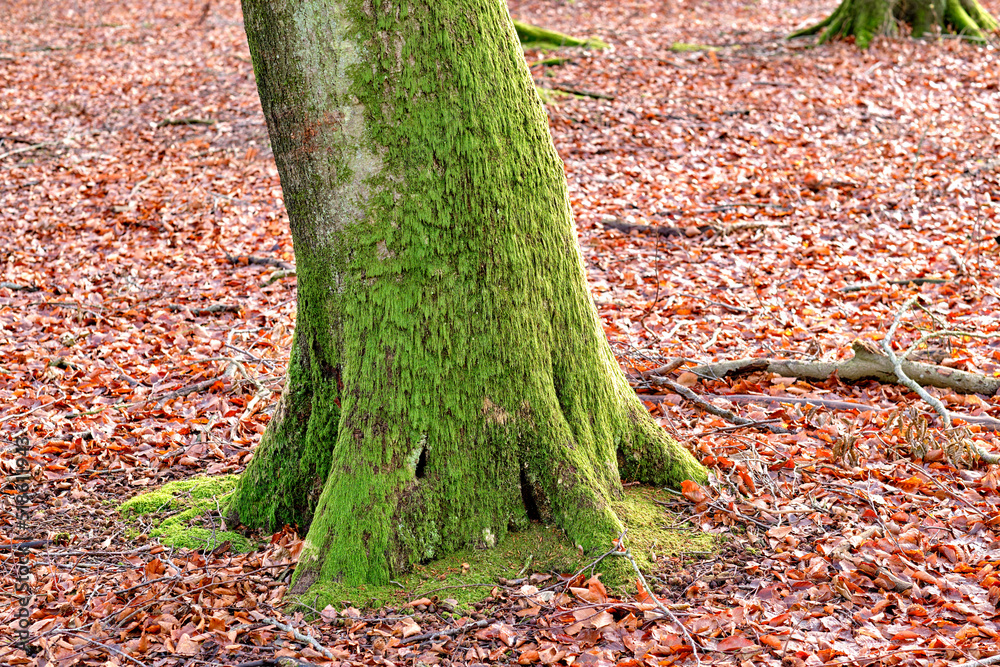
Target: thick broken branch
(866, 364)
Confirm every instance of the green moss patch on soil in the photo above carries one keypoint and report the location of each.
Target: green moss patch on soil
(178, 510)
(684, 47)
(469, 575)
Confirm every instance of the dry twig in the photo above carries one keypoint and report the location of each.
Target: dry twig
(665, 611)
(897, 366)
(298, 635)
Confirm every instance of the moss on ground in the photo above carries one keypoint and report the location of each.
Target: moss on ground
(181, 507)
(684, 47)
(469, 575)
(648, 538)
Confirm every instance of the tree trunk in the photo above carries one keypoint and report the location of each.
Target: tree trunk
(863, 19)
(449, 377)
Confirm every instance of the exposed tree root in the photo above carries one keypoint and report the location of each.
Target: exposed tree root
(534, 37)
(864, 19)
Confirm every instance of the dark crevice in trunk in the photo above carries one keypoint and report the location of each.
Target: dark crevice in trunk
(421, 471)
(528, 496)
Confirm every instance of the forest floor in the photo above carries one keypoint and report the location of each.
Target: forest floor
(145, 323)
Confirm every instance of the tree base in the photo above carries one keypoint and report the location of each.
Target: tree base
(471, 574)
(864, 19)
(561, 468)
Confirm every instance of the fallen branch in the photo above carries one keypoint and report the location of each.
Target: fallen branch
(185, 121)
(992, 660)
(857, 287)
(209, 310)
(430, 636)
(727, 306)
(26, 149)
(34, 409)
(125, 376)
(881, 576)
(278, 275)
(295, 633)
(653, 229)
(694, 230)
(722, 207)
(578, 92)
(866, 364)
(231, 369)
(670, 367)
(22, 546)
(982, 420)
(21, 140)
(753, 424)
(730, 417)
(260, 261)
(21, 288)
(274, 662)
(190, 389)
(68, 304)
(106, 647)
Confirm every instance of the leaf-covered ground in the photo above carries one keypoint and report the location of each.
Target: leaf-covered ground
(145, 318)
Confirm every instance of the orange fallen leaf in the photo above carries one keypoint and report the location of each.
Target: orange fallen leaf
(735, 643)
(693, 491)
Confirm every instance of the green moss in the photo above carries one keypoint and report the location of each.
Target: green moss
(184, 502)
(533, 37)
(541, 548)
(683, 47)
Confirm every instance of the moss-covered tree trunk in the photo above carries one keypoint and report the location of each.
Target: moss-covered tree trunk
(449, 377)
(863, 19)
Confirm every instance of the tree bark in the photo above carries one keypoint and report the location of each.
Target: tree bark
(449, 377)
(863, 19)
